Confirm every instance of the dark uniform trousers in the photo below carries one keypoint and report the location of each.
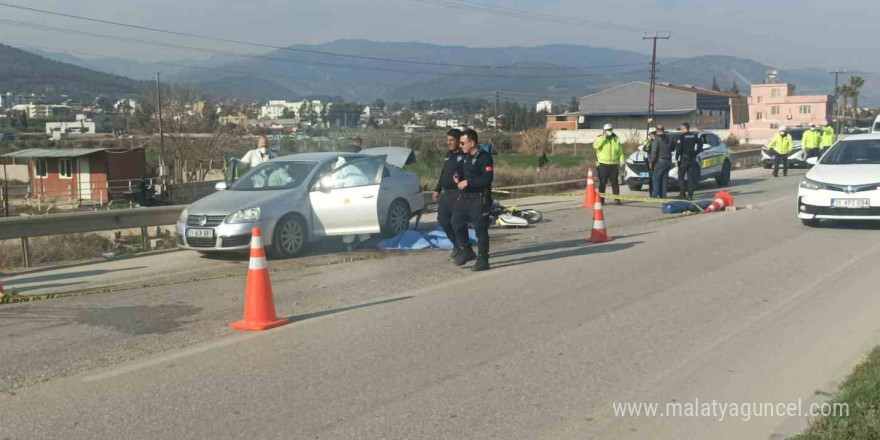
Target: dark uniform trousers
(691, 168)
(445, 206)
(777, 159)
(471, 209)
(608, 173)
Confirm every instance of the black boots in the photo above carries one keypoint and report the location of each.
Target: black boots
(464, 256)
(481, 265)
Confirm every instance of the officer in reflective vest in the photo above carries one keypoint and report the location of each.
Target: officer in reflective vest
(781, 146)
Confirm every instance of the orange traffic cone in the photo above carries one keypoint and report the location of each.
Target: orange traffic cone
(590, 195)
(259, 306)
(722, 199)
(599, 234)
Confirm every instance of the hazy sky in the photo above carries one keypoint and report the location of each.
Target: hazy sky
(783, 33)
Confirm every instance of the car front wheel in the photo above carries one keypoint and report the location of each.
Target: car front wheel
(289, 237)
(397, 219)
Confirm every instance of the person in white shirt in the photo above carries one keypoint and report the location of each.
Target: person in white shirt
(259, 155)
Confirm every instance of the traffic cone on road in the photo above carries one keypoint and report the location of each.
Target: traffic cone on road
(599, 234)
(590, 194)
(721, 200)
(259, 305)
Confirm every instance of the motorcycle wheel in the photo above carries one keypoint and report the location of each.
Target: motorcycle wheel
(531, 215)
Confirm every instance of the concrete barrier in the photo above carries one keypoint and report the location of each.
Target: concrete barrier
(746, 159)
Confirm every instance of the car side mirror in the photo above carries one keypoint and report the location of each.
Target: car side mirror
(220, 186)
(813, 160)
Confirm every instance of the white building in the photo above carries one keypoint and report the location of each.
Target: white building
(414, 128)
(84, 126)
(448, 123)
(126, 106)
(545, 106)
(275, 109)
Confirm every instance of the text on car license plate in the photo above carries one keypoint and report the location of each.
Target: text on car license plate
(850, 203)
(200, 233)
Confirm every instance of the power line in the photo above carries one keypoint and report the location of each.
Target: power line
(267, 46)
(271, 58)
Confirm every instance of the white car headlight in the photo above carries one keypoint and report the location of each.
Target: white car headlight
(244, 216)
(812, 184)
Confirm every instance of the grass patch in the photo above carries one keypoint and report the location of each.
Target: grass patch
(861, 391)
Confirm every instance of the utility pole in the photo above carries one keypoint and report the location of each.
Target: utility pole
(837, 107)
(5, 190)
(496, 111)
(162, 171)
(654, 37)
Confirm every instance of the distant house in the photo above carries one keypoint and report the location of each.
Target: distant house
(414, 128)
(96, 174)
(570, 121)
(775, 105)
(626, 106)
(544, 106)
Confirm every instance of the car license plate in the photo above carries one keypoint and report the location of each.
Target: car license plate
(200, 233)
(643, 174)
(851, 203)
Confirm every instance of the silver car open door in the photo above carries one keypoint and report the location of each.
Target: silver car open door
(345, 202)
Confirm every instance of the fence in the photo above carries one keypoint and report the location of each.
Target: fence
(35, 198)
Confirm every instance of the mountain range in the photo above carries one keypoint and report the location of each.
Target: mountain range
(555, 71)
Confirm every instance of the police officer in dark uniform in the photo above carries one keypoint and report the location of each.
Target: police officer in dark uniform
(446, 192)
(474, 202)
(687, 147)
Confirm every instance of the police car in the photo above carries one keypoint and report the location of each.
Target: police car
(796, 158)
(714, 162)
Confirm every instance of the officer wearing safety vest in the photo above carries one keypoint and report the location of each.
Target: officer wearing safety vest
(811, 142)
(827, 136)
(609, 156)
(473, 204)
(781, 146)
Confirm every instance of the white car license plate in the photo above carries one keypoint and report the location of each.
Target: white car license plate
(851, 203)
(643, 174)
(200, 233)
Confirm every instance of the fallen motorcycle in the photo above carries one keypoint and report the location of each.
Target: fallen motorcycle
(513, 217)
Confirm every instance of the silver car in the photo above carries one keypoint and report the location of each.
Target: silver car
(299, 198)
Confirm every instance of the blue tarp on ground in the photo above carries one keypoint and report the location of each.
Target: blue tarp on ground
(679, 207)
(415, 240)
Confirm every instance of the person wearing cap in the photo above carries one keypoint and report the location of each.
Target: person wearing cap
(827, 136)
(811, 142)
(661, 162)
(646, 149)
(688, 148)
(609, 156)
(781, 146)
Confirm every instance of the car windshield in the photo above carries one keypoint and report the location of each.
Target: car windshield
(274, 176)
(854, 152)
(796, 135)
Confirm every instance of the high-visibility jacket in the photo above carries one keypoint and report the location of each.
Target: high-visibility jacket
(827, 137)
(811, 139)
(782, 144)
(609, 151)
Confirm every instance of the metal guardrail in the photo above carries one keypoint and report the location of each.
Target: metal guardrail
(24, 227)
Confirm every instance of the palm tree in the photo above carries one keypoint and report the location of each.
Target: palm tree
(855, 83)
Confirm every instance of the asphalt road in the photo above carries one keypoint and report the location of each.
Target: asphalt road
(738, 307)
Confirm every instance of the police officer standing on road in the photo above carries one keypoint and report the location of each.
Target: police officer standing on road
(646, 149)
(781, 146)
(811, 142)
(446, 192)
(474, 202)
(609, 156)
(661, 162)
(827, 139)
(688, 147)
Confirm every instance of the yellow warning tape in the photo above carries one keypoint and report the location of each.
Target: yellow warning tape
(12, 298)
(607, 196)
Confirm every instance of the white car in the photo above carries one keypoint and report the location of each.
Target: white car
(844, 184)
(714, 163)
(299, 198)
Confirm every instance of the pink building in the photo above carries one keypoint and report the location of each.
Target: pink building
(775, 105)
